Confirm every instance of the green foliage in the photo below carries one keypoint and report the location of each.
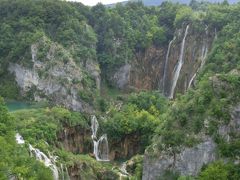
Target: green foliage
(169, 175)
(43, 124)
(221, 171)
(184, 14)
(139, 116)
(207, 106)
(135, 167)
(8, 87)
(15, 160)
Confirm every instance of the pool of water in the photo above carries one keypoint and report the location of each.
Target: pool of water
(17, 105)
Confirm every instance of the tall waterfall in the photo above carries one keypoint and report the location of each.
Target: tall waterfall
(166, 63)
(178, 67)
(203, 58)
(100, 146)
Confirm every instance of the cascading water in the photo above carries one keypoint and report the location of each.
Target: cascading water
(179, 65)
(100, 147)
(123, 169)
(19, 139)
(166, 63)
(49, 161)
(203, 58)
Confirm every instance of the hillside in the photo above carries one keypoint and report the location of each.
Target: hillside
(130, 92)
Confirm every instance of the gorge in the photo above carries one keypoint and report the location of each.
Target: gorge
(127, 92)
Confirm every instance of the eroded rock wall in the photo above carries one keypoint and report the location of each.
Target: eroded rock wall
(55, 76)
(146, 71)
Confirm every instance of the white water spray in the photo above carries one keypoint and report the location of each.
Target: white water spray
(179, 65)
(19, 139)
(100, 146)
(166, 63)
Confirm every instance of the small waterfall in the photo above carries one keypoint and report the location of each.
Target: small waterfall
(191, 80)
(100, 146)
(48, 161)
(19, 139)
(179, 65)
(65, 174)
(215, 34)
(123, 169)
(166, 63)
(40, 156)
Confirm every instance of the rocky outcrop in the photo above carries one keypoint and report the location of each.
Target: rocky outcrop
(233, 127)
(55, 76)
(121, 78)
(188, 162)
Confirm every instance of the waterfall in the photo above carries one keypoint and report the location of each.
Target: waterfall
(178, 67)
(64, 174)
(48, 161)
(203, 58)
(19, 139)
(166, 63)
(123, 169)
(215, 34)
(40, 156)
(100, 146)
(191, 80)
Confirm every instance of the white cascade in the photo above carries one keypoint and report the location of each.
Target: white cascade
(48, 161)
(123, 169)
(100, 146)
(64, 172)
(166, 63)
(40, 156)
(179, 65)
(19, 139)
(203, 59)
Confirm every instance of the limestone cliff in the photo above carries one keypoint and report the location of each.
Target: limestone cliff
(189, 161)
(52, 74)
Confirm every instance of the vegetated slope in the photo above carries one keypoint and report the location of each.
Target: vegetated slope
(49, 49)
(68, 39)
(202, 125)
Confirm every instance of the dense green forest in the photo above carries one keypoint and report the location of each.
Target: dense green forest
(111, 37)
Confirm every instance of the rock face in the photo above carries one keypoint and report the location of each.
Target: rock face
(75, 139)
(188, 162)
(155, 68)
(226, 131)
(126, 148)
(54, 76)
(122, 77)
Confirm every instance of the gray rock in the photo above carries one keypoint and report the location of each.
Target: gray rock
(122, 77)
(53, 78)
(188, 162)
